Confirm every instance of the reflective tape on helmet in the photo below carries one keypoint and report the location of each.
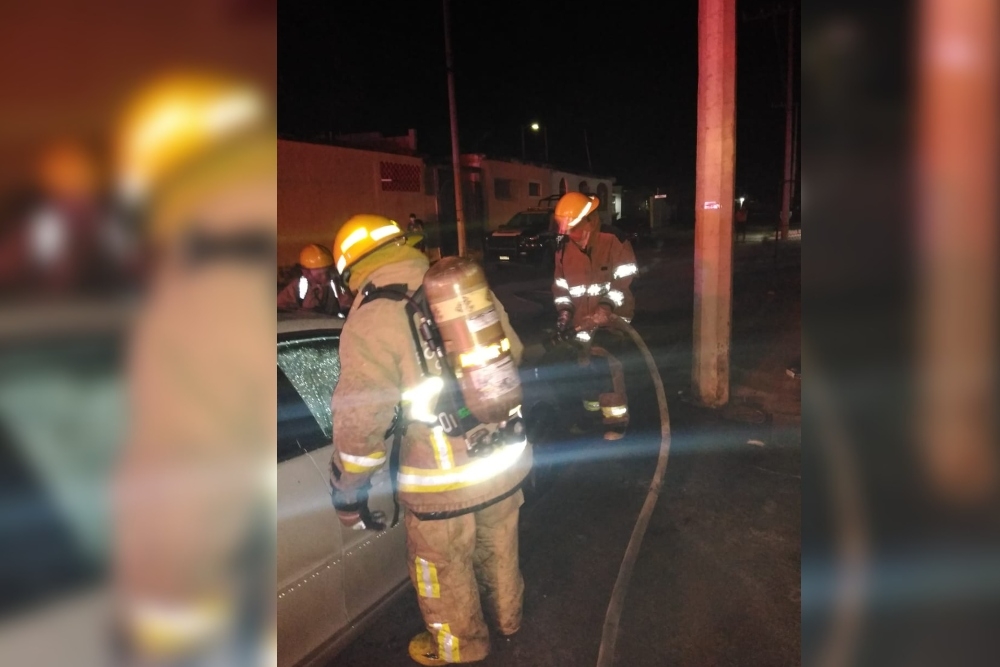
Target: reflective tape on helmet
(303, 287)
(625, 270)
(561, 282)
(447, 642)
(617, 297)
(362, 464)
(422, 399)
(357, 235)
(615, 411)
(427, 578)
(422, 480)
(382, 232)
(583, 214)
(564, 299)
(583, 336)
(591, 406)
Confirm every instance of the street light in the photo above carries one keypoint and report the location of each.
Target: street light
(535, 127)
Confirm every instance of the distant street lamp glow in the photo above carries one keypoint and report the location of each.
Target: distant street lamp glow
(740, 200)
(535, 127)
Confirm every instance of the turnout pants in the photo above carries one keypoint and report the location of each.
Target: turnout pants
(455, 563)
(605, 391)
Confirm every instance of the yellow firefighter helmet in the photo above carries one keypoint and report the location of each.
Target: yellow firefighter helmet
(363, 234)
(181, 122)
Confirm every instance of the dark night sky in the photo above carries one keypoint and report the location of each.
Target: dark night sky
(626, 71)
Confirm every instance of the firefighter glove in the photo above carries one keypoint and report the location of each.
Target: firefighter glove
(601, 316)
(564, 323)
(355, 514)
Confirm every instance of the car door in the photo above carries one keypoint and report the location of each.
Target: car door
(351, 570)
(311, 607)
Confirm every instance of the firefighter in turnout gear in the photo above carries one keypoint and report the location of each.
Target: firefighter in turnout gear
(196, 166)
(461, 504)
(594, 270)
(315, 289)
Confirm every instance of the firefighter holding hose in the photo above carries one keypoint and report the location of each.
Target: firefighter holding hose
(593, 274)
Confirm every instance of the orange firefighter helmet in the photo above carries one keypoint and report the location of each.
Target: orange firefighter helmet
(315, 256)
(573, 208)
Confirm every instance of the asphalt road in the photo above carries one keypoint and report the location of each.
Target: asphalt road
(717, 578)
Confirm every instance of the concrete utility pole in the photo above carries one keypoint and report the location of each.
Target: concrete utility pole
(956, 211)
(714, 190)
(453, 113)
(786, 186)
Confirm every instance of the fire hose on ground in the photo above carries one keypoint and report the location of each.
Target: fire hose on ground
(609, 635)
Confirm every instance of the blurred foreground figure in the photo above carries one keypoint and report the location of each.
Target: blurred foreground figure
(461, 488)
(194, 492)
(594, 270)
(316, 288)
(64, 239)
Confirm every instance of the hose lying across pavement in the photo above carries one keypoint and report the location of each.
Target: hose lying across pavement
(606, 655)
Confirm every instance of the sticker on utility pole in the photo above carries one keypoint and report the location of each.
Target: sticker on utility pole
(712, 205)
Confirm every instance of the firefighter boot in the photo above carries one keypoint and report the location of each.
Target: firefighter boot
(424, 650)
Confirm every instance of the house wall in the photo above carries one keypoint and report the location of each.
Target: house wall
(499, 210)
(320, 187)
(498, 207)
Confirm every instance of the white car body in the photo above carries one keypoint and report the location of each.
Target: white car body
(331, 579)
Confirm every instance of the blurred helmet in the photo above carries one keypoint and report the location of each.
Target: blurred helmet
(66, 168)
(574, 207)
(177, 121)
(363, 234)
(315, 256)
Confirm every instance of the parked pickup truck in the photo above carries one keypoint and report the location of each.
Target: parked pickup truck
(529, 236)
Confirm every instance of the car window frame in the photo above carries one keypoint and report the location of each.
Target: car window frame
(301, 336)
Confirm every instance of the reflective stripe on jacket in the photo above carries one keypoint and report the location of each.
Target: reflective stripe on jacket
(379, 369)
(299, 294)
(602, 275)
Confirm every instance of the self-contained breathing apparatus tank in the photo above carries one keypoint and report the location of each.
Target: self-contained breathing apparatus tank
(458, 324)
(474, 340)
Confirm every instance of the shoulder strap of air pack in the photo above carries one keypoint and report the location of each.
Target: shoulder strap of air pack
(393, 292)
(398, 292)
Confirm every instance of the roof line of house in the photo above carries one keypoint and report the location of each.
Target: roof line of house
(438, 160)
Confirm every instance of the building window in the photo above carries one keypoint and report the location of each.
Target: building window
(503, 188)
(534, 189)
(562, 186)
(584, 187)
(400, 177)
(602, 195)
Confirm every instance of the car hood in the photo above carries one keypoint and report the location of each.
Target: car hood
(508, 232)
